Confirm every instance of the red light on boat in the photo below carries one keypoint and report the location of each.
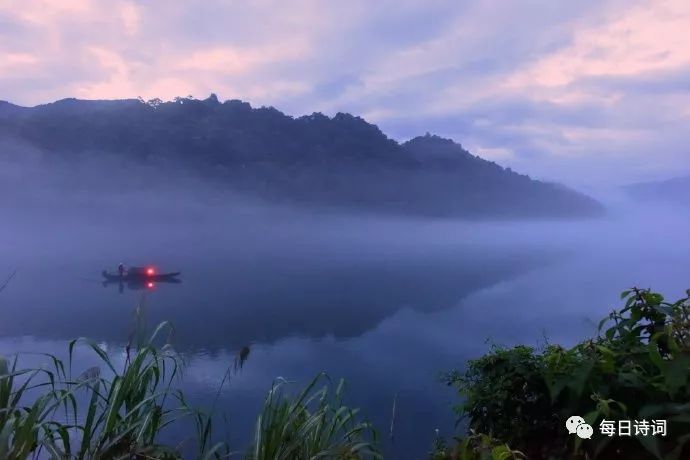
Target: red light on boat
(150, 285)
(150, 271)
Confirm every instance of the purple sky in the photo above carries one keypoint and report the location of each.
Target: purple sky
(587, 92)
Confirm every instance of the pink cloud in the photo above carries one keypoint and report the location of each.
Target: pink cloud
(517, 76)
(647, 38)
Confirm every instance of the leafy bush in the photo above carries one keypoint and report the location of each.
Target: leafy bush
(636, 368)
(476, 446)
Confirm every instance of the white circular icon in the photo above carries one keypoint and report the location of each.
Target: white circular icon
(572, 423)
(584, 431)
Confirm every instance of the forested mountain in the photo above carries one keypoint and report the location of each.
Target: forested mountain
(341, 161)
(676, 190)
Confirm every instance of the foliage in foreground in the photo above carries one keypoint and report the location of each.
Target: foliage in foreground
(313, 425)
(115, 414)
(120, 413)
(516, 401)
(636, 368)
(475, 446)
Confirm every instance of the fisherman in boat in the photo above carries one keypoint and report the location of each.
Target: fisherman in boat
(121, 270)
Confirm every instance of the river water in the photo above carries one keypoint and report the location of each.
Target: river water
(387, 304)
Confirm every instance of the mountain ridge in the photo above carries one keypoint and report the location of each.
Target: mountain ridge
(673, 190)
(341, 160)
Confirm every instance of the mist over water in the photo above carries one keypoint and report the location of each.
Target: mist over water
(385, 302)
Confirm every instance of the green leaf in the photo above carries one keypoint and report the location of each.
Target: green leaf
(663, 409)
(676, 373)
(579, 378)
(664, 310)
(556, 387)
(591, 417)
(501, 453)
(655, 356)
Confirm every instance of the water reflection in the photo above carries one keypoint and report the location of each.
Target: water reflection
(137, 284)
(388, 325)
(226, 304)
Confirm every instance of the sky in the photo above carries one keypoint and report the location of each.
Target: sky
(590, 93)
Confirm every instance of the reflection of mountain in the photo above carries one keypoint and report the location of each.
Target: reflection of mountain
(228, 307)
(675, 190)
(342, 161)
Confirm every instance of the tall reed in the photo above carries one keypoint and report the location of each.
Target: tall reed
(118, 411)
(313, 425)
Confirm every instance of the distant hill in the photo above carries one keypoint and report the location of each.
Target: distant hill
(676, 190)
(341, 161)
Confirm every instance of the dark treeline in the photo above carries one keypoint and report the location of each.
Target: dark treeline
(341, 161)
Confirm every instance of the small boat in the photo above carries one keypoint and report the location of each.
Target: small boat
(139, 274)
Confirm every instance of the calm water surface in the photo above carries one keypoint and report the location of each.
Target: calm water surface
(385, 304)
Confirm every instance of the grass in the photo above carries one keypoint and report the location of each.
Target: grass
(108, 412)
(313, 425)
(114, 414)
